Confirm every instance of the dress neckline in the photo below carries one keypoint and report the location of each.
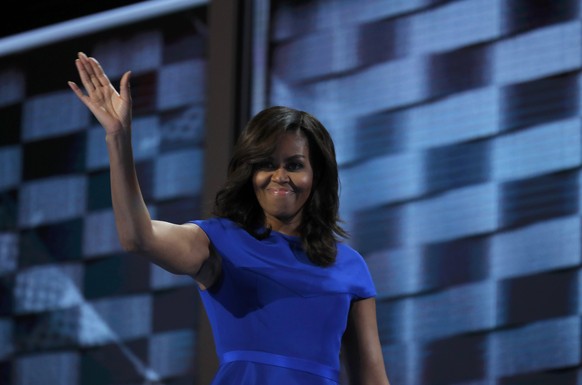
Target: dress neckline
(292, 238)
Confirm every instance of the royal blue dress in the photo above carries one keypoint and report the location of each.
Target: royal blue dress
(276, 317)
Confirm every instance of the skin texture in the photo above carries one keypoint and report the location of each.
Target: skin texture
(185, 248)
(283, 184)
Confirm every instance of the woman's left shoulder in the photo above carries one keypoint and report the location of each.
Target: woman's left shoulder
(344, 250)
(353, 268)
(349, 257)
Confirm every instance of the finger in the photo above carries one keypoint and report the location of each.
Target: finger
(124, 86)
(84, 98)
(91, 71)
(97, 112)
(100, 75)
(84, 76)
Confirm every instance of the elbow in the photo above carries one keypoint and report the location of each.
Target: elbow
(131, 244)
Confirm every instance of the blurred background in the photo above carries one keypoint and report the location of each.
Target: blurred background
(457, 127)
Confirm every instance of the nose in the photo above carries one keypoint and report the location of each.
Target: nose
(280, 175)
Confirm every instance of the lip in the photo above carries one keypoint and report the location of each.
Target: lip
(279, 191)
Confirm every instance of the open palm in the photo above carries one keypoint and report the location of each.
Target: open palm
(111, 108)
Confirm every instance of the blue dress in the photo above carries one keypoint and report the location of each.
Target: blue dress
(276, 317)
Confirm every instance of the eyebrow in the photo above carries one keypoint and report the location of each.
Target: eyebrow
(295, 156)
(290, 157)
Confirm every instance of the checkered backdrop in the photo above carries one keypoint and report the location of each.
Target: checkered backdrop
(74, 308)
(457, 125)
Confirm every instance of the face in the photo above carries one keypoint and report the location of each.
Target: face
(283, 183)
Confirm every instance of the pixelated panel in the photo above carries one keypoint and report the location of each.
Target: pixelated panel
(178, 174)
(99, 191)
(163, 303)
(563, 377)
(47, 368)
(8, 252)
(187, 83)
(128, 317)
(6, 372)
(52, 114)
(10, 167)
(378, 229)
(115, 275)
(523, 15)
(455, 262)
(6, 299)
(51, 200)
(9, 210)
(163, 279)
(460, 70)
(99, 234)
(455, 166)
(172, 353)
(457, 310)
(380, 134)
(143, 92)
(441, 365)
(45, 158)
(544, 197)
(540, 101)
(146, 174)
(182, 128)
(537, 297)
(12, 92)
(387, 35)
(47, 330)
(115, 364)
(47, 287)
(51, 243)
(392, 316)
(10, 123)
(545, 246)
(519, 350)
(180, 210)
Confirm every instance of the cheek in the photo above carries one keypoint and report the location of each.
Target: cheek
(306, 182)
(258, 180)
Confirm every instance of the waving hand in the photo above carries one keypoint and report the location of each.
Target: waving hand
(111, 108)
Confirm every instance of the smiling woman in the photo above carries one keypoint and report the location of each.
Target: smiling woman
(283, 148)
(283, 183)
(283, 293)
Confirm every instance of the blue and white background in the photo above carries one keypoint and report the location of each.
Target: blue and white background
(458, 132)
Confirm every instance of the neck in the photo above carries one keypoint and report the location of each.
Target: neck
(287, 227)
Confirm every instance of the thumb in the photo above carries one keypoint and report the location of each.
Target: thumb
(124, 86)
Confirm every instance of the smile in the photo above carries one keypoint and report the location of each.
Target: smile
(280, 191)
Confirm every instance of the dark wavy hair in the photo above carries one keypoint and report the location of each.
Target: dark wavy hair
(320, 227)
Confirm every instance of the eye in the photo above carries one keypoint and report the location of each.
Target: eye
(265, 165)
(294, 166)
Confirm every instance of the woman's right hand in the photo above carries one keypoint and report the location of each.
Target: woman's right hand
(110, 108)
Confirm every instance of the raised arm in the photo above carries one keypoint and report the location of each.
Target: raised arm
(180, 249)
(361, 345)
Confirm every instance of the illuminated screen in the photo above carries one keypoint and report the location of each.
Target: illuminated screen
(74, 308)
(457, 128)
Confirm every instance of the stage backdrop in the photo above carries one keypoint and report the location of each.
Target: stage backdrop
(457, 126)
(74, 308)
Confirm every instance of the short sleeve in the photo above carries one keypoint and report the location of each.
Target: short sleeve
(354, 271)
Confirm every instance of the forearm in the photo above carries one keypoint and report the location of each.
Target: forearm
(132, 219)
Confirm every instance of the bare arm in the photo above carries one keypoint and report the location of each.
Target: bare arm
(361, 345)
(180, 249)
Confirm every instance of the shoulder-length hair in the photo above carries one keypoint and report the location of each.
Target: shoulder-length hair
(320, 223)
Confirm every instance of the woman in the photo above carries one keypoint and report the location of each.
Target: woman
(282, 293)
